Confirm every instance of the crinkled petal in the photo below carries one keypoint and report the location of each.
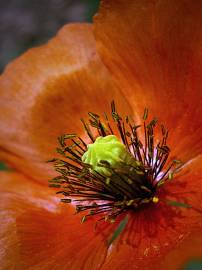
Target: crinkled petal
(45, 92)
(164, 236)
(153, 49)
(38, 232)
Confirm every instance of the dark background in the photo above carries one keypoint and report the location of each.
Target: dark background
(27, 23)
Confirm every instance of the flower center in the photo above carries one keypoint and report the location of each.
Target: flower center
(114, 173)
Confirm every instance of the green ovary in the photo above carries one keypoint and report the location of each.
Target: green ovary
(109, 149)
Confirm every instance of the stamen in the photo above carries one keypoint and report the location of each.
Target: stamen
(113, 174)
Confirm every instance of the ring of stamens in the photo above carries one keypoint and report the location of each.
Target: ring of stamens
(128, 186)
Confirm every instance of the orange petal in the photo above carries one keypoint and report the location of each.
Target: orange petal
(153, 50)
(37, 232)
(163, 236)
(45, 92)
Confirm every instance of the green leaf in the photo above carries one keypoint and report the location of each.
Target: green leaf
(118, 230)
(179, 204)
(4, 167)
(193, 265)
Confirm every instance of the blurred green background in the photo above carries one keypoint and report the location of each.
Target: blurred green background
(194, 265)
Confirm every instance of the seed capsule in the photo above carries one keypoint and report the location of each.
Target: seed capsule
(109, 149)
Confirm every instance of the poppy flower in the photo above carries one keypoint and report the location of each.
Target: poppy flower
(142, 54)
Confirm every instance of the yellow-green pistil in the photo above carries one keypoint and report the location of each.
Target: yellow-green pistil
(108, 149)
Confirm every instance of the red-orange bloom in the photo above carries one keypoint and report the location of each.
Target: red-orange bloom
(141, 54)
